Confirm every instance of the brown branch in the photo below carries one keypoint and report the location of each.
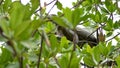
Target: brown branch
(40, 51)
(50, 9)
(50, 2)
(44, 6)
(97, 29)
(113, 37)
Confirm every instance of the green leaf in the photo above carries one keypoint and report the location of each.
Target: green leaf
(46, 51)
(22, 28)
(89, 60)
(64, 42)
(89, 49)
(118, 61)
(103, 49)
(110, 6)
(4, 59)
(54, 43)
(42, 65)
(64, 60)
(59, 5)
(16, 14)
(75, 61)
(109, 26)
(62, 22)
(6, 5)
(96, 54)
(52, 66)
(109, 34)
(49, 27)
(76, 15)
(4, 24)
(35, 4)
(97, 17)
(68, 14)
(12, 65)
(110, 48)
(28, 44)
(35, 24)
(104, 10)
(110, 23)
(116, 25)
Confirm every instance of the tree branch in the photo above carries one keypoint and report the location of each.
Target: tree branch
(97, 29)
(113, 37)
(51, 2)
(50, 9)
(40, 51)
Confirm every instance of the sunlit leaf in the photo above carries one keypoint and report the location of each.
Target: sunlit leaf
(76, 16)
(62, 21)
(64, 42)
(89, 60)
(6, 4)
(54, 43)
(97, 54)
(4, 59)
(64, 60)
(59, 5)
(68, 14)
(75, 61)
(118, 61)
(35, 4)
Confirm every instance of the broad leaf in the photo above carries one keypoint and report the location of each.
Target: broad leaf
(76, 16)
(59, 5)
(62, 22)
(35, 4)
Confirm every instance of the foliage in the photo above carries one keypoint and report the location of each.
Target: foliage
(29, 35)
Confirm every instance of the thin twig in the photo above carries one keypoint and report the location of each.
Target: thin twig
(50, 9)
(50, 2)
(113, 37)
(102, 25)
(44, 5)
(96, 30)
(78, 3)
(40, 51)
